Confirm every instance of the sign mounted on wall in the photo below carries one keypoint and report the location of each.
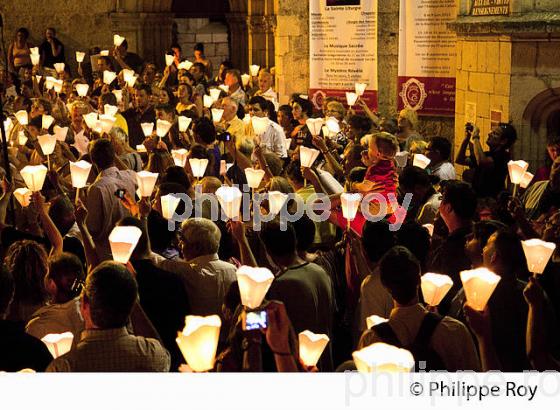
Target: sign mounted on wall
(427, 54)
(342, 50)
(490, 7)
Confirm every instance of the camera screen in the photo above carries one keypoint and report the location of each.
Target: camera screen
(256, 320)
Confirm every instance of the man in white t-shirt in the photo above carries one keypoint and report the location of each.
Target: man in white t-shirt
(439, 151)
(274, 138)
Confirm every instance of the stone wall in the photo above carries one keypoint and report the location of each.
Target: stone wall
(213, 35)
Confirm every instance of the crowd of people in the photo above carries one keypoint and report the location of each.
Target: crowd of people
(357, 282)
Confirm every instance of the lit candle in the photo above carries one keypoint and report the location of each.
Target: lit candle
(333, 126)
(538, 253)
(199, 340)
(350, 204)
(109, 77)
(169, 59)
(34, 176)
(123, 240)
(198, 166)
(23, 196)
(47, 143)
(46, 121)
(118, 95)
(314, 125)
(526, 179)
(435, 287)
(147, 128)
(111, 110)
(215, 94)
(118, 40)
(276, 201)
(245, 79)
(307, 156)
(146, 182)
(169, 205)
(180, 156)
(351, 99)
(254, 177)
(79, 173)
(91, 120)
(184, 123)
(162, 128)
(22, 117)
(375, 320)
(58, 344)
(421, 161)
(253, 285)
(207, 101)
(383, 358)
(82, 89)
(59, 67)
(230, 198)
(260, 125)
(254, 70)
(217, 114)
(360, 88)
(107, 123)
(479, 284)
(80, 56)
(311, 346)
(516, 170)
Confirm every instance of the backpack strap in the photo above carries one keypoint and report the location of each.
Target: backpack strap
(427, 328)
(386, 333)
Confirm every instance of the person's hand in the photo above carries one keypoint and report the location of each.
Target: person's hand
(39, 202)
(161, 145)
(478, 321)
(367, 186)
(80, 213)
(236, 229)
(308, 174)
(533, 293)
(150, 143)
(320, 143)
(130, 268)
(475, 133)
(278, 330)
(129, 203)
(144, 207)
(259, 154)
(516, 209)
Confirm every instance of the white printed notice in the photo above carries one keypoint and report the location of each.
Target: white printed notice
(342, 49)
(427, 56)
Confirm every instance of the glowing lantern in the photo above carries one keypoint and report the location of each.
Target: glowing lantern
(47, 143)
(435, 287)
(123, 240)
(260, 124)
(333, 126)
(34, 50)
(314, 125)
(35, 58)
(91, 120)
(49, 82)
(207, 101)
(247, 119)
(254, 177)
(34, 176)
(104, 53)
(254, 70)
(375, 320)
(128, 75)
(162, 128)
(351, 98)
(146, 182)
(185, 65)
(516, 170)
(479, 284)
(198, 166)
(526, 179)
(80, 56)
(360, 88)
(217, 114)
(169, 204)
(307, 156)
(22, 138)
(215, 94)
(23, 196)
(537, 253)
(199, 340)
(141, 148)
(59, 67)
(118, 95)
(147, 128)
(111, 110)
(180, 156)
(109, 77)
(245, 79)
(58, 85)
(79, 173)
(118, 40)
(381, 357)
(288, 142)
(22, 117)
(276, 201)
(169, 59)
(60, 133)
(230, 200)
(184, 123)
(350, 204)
(224, 88)
(46, 121)
(82, 89)
(401, 158)
(421, 161)
(107, 122)
(311, 346)
(58, 344)
(253, 285)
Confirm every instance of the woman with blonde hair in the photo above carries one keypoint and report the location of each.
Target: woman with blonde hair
(408, 128)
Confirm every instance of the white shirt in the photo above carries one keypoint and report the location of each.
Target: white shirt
(445, 171)
(269, 95)
(274, 140)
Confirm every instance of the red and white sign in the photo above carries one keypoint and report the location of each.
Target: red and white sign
(427, 56)
(342, 49)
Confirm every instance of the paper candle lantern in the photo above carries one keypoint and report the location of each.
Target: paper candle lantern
(46, 121)
(537, 253)
(199, 340)
(217, 114)
(314, 125)
(169, 204)
(184, 123)
(35, 58)
(109, 77)
(59, 67)
(276, 201)
(34, 50)
(123, 240)
(80, 56)
(8, 125)
(118, 95)
(38, 78)
(215, 94)
(111, 110)
(230, 198)
(91, 120)
(169, 59)
(333, 125)
(224, 88)
(245, 79)
(260, 124)
(435, 287)
(23, 196)
(254, 70)
(254, 177)
(325, 131)
(360, 88)
(526, 179)
(22, 138)
(307, 156)
(247, 119)
(288, 142)
(146, 182)
(82, 89)
(198, 166)
(311, 346)
(107, 122)
(207, 101)
(118, 40)
(350, 204)
(421, 161)
(22, 117)
(58, 86)
(180, 156)
(381, 357)
(47, 143)
(351, 98)
(185, 65)
(516, 170)
(141, 148)
(430, 228)
(401, 158)
(104, 52)
(162, 128)
(34, 176)
(147, 128)
(375, 320)
(127, 74)
(49, 82)
(79, 173)
(253, 285)
(479, 284)
(58, 344)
